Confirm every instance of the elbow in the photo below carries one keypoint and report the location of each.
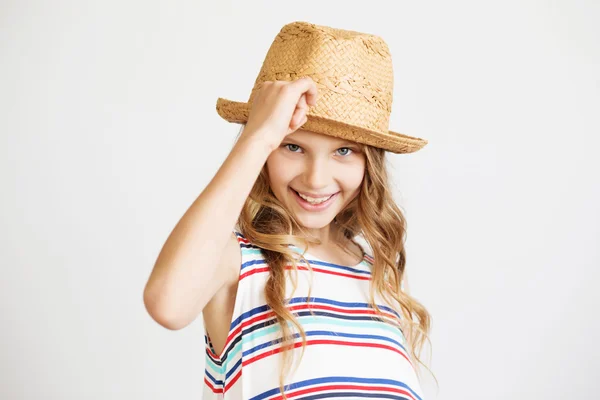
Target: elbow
(161, 314)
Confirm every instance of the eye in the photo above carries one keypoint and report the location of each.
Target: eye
(344, 151)
(292, 147)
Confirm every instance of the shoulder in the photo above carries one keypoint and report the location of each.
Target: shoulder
(238, 250)
(244, 245)
(246, 250)
(241, 240)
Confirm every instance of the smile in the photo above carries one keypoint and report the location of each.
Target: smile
(314, 203)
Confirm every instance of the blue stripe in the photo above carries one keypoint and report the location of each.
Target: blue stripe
(305, 320)
(294, 300)
(262, 261)
(252, 262)
(334, 380)
(234, 369)
(247, 314)
(255, 332)
(341, 303)
(225, 354)
(273, 320)
(212, 378)
(218, 370)
(322, 333)
(337, 266)
(353, 395)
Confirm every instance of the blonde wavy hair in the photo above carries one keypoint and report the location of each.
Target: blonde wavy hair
(374, 215)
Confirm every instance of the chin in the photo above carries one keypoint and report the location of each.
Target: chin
(314, 221)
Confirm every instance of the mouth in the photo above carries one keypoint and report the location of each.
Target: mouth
(314, 204)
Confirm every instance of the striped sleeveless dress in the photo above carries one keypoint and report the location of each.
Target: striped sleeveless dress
(349, 353)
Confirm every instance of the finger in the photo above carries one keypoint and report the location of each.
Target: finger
(301, 107)
(302, 102)
(309, 88)
(299, 115)
(296, 126)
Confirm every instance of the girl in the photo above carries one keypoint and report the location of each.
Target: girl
(269, 252)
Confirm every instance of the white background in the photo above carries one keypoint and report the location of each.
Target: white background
(109, 131)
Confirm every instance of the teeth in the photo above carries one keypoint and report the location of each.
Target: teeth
(314, 201)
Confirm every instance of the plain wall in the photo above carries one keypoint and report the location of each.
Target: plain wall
(109, 131)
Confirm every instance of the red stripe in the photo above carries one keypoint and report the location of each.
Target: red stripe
(323, 341)
(230, 338)
(237, 330)
(258, 318)
(270, 314)
(340, 310)
(384, 389)
(211, 387)
(234, 380)
(246, 241)
(253, 271)
(302, 268)
(210, 352)
(299, 307)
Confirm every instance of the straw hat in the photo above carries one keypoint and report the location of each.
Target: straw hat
(354, 76)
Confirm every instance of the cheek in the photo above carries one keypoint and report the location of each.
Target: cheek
(278, 177)
(352, 180)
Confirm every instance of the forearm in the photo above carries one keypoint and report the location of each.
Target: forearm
(186, 275)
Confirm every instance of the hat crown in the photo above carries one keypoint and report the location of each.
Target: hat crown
(353, 72)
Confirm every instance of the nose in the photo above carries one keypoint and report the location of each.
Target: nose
(317, 174)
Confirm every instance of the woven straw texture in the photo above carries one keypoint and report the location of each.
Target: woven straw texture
(354, 75)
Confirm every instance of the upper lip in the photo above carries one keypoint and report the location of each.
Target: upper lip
(313, 195)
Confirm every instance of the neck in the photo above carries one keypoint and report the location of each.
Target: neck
(329, 236)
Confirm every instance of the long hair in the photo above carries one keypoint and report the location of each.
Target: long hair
(374, 215)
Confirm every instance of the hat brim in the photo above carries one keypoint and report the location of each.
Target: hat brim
(237, 112)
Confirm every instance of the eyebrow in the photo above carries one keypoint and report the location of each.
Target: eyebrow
(339, 142)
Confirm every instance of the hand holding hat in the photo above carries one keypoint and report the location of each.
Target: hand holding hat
(354, 75)
(280, 108)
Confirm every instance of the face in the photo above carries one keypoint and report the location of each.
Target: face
(315, 176)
